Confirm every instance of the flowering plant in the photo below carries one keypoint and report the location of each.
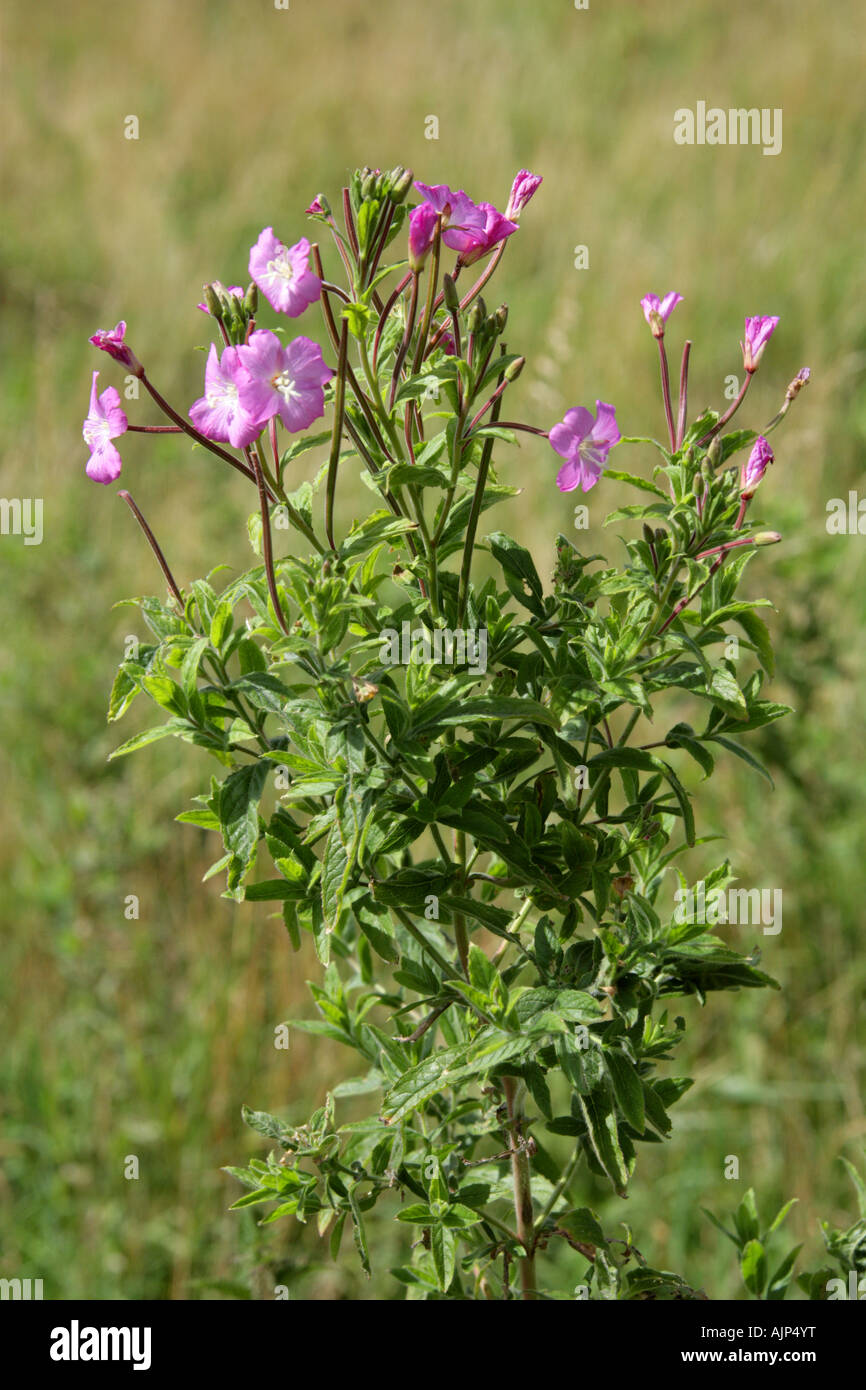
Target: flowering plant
(446, 760)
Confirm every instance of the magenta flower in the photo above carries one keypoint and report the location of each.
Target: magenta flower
(759, 331)
(105, 421)
(756, 466)
(218, 285)
(525, 186)
(422, 230)
(219, 414)
(470, 229)
(317, 207)
(584, 443)
(111, 341)
(285, 381)
(657, 311)
(283, 273)
(496, 228)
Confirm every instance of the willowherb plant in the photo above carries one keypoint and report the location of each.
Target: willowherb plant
(443, 757)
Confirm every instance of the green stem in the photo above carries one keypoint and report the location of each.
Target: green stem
(522, 1186)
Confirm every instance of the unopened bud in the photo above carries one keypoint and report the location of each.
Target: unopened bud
(714, 452)
(648, 534)
(213, 302)
(251, 298)
(450, 295)
(236, 307)
(513, 370)
(500, 318)
(400, 184)
(767, 538)
(476, 316)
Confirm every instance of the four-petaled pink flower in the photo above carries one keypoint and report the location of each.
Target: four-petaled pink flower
(470, 229)
(283, 273)
(759, 331)
(524, 187)
(422, 230)
(105, 421)
(756, 466)
(584, 443)
(657, 311)
(111, 341)
(219, 413)
(218, 285)
(285, 381)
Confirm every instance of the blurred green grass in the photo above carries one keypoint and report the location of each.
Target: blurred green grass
(145, 1036)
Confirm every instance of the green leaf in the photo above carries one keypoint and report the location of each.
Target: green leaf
(638, 758)
(443, 1247)
(601, 1125)
(781, 1278)
(359, 1233)
(726, 692)
(627, 1088)
(583, 1225)
(643, 483)
(238, 809)
(733, 747)
(174, 726)
(519, 569)
(753, 1265)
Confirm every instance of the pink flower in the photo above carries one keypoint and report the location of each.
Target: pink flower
(219, 413)
(524, 187)
(285, 381)
(105, 421)
(657, 311)
(584, 443)
(422, 230)
(111, 341)
(754, 469)
(759, 331)
(318, 207)
(496, 228)
(283, 273)
(470, 229)
(218, 285)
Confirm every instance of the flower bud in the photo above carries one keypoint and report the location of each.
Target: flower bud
(513, 370)
(767, 538)
(423, 221)
(319, 207)
(477, 315)
(251, 298)
(212, 300)
(500, 319)
(450, 295)
(714, 453)
(401, 182)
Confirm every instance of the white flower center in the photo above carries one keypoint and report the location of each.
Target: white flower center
(226, 394)
(284, 382)
(98, 433)
(282, 267)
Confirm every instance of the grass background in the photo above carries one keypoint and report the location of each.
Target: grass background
(144, 1036)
